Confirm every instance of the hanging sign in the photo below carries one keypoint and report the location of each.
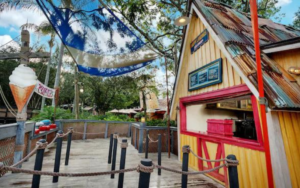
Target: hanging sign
(44, 91)
(199, 41)
(207, 75)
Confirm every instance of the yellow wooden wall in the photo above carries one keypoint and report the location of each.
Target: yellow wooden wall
(252, 166)
(290, 130)
(192, 142)
(204, 55)
(287, 59)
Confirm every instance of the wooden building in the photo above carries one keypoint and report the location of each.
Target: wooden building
(215, 98)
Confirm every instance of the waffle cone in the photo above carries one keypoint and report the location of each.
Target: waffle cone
(21, 95)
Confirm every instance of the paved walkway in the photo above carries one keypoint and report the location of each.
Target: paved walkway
(90, 156)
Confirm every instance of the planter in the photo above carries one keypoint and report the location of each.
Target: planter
(220, 127)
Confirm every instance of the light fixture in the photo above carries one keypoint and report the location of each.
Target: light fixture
(182, 21)
(81, 90)
(294, 70)
(143, 119)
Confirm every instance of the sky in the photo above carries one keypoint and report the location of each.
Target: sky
(10, 22)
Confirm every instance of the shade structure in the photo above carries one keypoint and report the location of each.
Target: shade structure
(99, 42)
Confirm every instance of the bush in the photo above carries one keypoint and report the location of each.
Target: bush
(160, 123)
(48, 112)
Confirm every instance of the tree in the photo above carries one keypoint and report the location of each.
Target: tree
(45, 28)
(296, 22)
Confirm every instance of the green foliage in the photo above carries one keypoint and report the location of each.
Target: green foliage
(296, 22)
(139, 115)
(48, 111)
(160, 123)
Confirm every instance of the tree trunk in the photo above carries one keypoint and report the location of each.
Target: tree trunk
(47, 78)
(76, 105)
(57, 77)
(144, 104)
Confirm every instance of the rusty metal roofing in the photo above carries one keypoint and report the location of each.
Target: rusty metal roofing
(235, 31)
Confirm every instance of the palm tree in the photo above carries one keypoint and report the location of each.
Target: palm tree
(45, 28)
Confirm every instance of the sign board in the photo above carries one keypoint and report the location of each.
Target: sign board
(207, 75)
(44, 91)
(199, 41)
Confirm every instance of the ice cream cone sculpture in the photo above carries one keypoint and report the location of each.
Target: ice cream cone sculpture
(22, 83)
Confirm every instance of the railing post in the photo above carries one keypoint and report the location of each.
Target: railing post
(233, 173)
(113, 165)
(185, 165)
(38, 165)
(122, 162)
(144, 180)
(68, 146)
(147, 144)
(159, 154)
(110, 147)
(57, 155)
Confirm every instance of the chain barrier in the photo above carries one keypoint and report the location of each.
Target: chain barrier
(216, 160)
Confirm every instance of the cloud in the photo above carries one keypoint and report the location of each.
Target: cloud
(283, 2)
(7, 40)
(16, 18)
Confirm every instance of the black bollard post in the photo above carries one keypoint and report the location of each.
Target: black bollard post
(144, 180)
(159, 154)
(57, 156)
(147, 144)
(233, 173)
(110, 148)
(113, 165)
(38, 165)
(185, 165)
(68, 146)
(122, 162)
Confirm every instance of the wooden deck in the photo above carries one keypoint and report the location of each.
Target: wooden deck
(90, 156)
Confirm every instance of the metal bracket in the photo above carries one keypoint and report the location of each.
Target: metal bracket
(22, 116)
(264, 101)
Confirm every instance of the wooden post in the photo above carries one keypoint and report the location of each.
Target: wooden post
(57, 156)
(122, 162)
(110, 148)
(113, 165)
(233, 173)
(22, 116)
(147, 144)
(38, 165)
(68, 146)
(185, 165)
(144, 180)
(159, 154)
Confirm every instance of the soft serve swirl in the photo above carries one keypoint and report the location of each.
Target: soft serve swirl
(23, 76)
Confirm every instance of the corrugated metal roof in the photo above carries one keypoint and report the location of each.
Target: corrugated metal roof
(235, 31)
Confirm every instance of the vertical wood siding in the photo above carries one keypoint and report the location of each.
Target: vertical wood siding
(287, 59)
(204, 55)
(290, 130)
(252, 166)
(192, 142)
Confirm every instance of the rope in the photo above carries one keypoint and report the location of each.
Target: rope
(86, 133)
(139, 168)
(151, 139)
(47, 173)
(14, 39)
(216, 160)
(191, 173)
(7, 103)
(40, 145)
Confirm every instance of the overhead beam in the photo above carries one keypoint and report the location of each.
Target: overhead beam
(5, 56)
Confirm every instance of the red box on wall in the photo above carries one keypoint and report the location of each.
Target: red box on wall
(220, 126)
